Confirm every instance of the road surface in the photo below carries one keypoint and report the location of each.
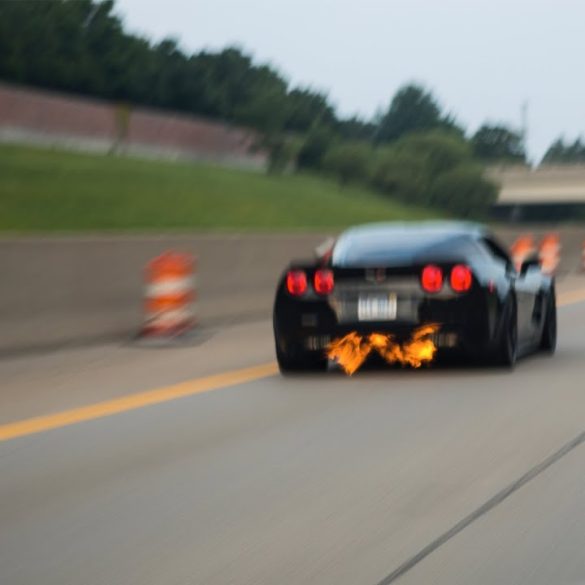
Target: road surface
(435, 476)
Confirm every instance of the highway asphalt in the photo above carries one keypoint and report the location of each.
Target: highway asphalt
(447, 476)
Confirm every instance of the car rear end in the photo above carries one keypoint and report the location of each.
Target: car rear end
(390, 300)
(394, 298)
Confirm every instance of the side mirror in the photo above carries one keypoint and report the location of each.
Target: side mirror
(529, 262)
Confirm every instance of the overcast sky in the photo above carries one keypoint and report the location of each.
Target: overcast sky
(481, 58)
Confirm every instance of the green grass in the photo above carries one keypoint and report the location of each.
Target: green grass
(51, 190)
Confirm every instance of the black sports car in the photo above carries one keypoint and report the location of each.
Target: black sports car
(412, 289)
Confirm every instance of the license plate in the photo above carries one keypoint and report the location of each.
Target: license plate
(377, 307)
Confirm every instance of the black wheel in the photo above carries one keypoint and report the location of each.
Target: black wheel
(506, 352)
(548, 342)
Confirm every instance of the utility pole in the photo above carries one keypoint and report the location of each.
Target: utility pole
(524, 125)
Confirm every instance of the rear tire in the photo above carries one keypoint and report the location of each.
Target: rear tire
(548, 342)
(506, 352)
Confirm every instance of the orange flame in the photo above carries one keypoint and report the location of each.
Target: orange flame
(351, 351)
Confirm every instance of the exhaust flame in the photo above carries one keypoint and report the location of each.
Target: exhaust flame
(351, 351)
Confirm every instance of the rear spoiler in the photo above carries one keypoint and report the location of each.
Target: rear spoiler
(324, 250)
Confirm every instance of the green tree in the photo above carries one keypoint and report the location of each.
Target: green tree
(317, 142)
(263, 111)
(402, 175)
(561, 153)
(575, 153)
(463, 191)
(439, 149)
(82, 47)
(412, 109)
(349, 162)
(306, 108)
(356, 129)
(435, 169)
(495, 143)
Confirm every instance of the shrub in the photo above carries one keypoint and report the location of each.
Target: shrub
(440, 150)
(402, 175)
(282, 153)
(434, 169)
(317, 142)
(349, 162)
(463, 191)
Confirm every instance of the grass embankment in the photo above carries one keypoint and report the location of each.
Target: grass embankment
(51, 190)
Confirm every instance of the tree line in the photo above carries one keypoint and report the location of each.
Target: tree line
(413, 151)
(561, 152)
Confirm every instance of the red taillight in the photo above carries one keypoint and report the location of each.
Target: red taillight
(432, 278)
(323, 281)
(461, 278)
(296, 282)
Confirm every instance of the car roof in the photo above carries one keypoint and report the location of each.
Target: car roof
(432, 228)
(404, 243)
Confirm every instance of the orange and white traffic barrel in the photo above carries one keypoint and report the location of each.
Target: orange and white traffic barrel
(170, 295)
(549, 253)
(521, 249)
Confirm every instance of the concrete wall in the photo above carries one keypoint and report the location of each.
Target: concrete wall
(58, 291)
(55, 119)
(64, 290)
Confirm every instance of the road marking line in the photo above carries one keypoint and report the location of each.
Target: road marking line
(73, 416)
(134, 401)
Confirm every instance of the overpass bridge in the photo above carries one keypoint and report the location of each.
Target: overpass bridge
(541, 194)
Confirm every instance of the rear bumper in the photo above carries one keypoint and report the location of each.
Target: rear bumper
(463, 326)
(447, 338)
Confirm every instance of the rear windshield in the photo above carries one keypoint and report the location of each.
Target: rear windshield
(398, 248)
